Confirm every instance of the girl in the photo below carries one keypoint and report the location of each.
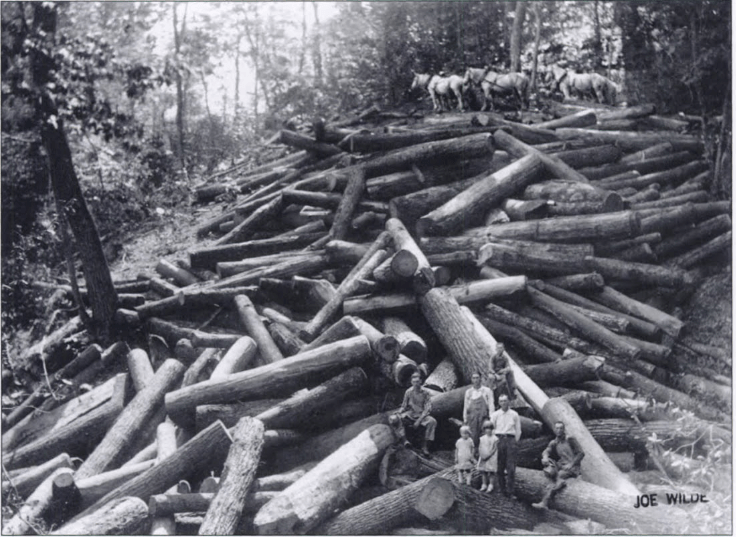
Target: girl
(464, 449)
(487, 456)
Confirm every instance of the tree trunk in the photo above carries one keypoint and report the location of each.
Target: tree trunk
(276, 378)
(649, 163)
(316, 49)
(693, 257)
(172, 504)
(641, 273)
(411, 345)
(26, 482)
(180, 98)
(535, 350)
(238, 475)
(250, 225)
(93, 488)
(635, 141)
(443, 377)
(584, 118)
(569, 191)
(32, 512)
(535, 49)
(591, 281)
(123, 516)
(326, 487)
(468, 207)
(516, 37)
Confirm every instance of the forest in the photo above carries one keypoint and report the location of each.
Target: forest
(282, 168)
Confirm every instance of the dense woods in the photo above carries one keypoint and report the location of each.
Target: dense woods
(326, 230)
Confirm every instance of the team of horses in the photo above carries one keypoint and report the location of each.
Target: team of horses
(442, 87)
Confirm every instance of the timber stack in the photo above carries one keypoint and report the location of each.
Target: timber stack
(254, 392)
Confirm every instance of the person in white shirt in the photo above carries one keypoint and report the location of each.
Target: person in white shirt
(507, 426)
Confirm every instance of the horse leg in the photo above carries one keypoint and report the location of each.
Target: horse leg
(459, 95)
(434, 99)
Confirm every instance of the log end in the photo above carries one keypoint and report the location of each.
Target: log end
(404, 263)
(436, 498)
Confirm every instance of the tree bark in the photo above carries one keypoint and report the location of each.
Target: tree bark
(535, 350)
(411, 345)
(251, 321)
(33, 511)
(610, 174)
(26, 482)
(569, 191)
(641, 273)
(443, 377)
(590, 281)
(516, 37)
(634, 141)
(693, 257)
(423, 277)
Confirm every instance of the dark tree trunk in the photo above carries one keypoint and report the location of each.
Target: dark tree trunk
(516, 34)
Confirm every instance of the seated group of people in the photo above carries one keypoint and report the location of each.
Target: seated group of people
(489, 436)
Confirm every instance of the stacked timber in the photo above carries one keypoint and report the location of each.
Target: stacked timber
(259, 399)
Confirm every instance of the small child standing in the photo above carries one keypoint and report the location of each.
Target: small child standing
(487, 456)
(464, 449)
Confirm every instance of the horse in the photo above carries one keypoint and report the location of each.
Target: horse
(583, 85)
(440, 87)
(491, 83)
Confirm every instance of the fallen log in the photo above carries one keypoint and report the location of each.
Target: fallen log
(423, 277)
(226, 508)
(371, 259)
(566, 372)
(122, 516)
(589, 156)
(26, 482)
(113, 449)
(410, 344)
(669, 176)
(300, 141)
(172, 504)
(468, 207)
(571, 191)
(635, 141)
(591, 281)
(172, 333)
(649, 152)
(583, 118)
(251, 321)
(605, 249)
(466, 147)
(538, 352)
(32, 512)
(657, 202)
(237, 358)
(348, 203)
(179, 275)
(271, 379)
(640, 273)
(302, 406)
(697, 255)
(443, 377)
(93, 488)
(566, 229)
(368, 143)
(299, 509)
(524, 210)
(286, 269)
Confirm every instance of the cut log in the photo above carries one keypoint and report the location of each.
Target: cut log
(535, 350)
(509, 258)
(468, 207)
(295, 139)
(210, 256)
(236, 359)
(443, 378)
(93, 488)
(467, 147)
(368, 143)
(248, 227)
(423, 277)
(286, 269)
(604, 249)
(634, 141)
(566, 372)
(589, 156)
(26, 482)
(122, 516)
(140, 368)
(114, 448)
(226, 508)
(226, 269)
(31, 514)
(693, 257)
(620, 302)
(613, 173)
(171, 504)
(207, 359)
(186, 300)
(73, 437)
(566, 229)
(301, 407)
(286, 340)
(251, 321)
(641, 273)
(206, 451)
(410, 344)
(591, 281)
(298, 509)
(571, 191)
(519, 149)
(179, 275)
(230, 414)
(271, 379)
(699, 196)
(583, 118)
(524, 210)
(640, 326)
(669, 176)
(584, 325)
(171, 333)
(652, 151)
(348, 203)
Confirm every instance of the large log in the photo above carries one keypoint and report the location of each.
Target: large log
(635, 141)
(670, 176)
(184, 300)
(566, 229)
(443, 377)
(620, 302)
(114, 448)
(571, 191)
(237, 358)
(468, 207)
(286, 269)
(74, 437)
(26, 482)
(205, 452)
(238, 475)
(519, 149)
(423, 277)
(172, 333)
(583, 325)
(209, 257)
(589, 156)
(271, 379)
(693, 257)
(652, 151)
(93, 488)
(467, 147)
(583, 118)
(248, 227)
(410, 344)
(509, 258)
(301, 407)
(122, 516)
(368, 143)
(687, 238)
(325, 488)
(251, 321)
(535, 350)
(566, 372)
(32, 512)
(590, 281)
(295, 139)
(350, 198)
(641, 273)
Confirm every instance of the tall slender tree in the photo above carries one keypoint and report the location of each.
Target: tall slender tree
(516, 35)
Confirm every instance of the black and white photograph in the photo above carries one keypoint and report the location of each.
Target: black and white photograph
(366, 268)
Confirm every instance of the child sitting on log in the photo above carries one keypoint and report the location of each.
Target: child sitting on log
(503, 377)
(464, 449)
(487, 459)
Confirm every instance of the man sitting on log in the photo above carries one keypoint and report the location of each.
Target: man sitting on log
(414, 413)
(561, 461)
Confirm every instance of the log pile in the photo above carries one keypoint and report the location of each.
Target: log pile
(277, 352)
